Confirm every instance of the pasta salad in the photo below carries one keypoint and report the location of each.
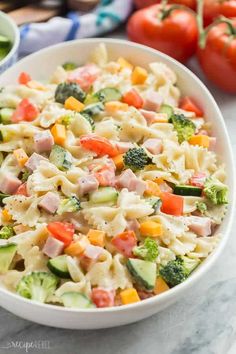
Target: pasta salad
(110, 187)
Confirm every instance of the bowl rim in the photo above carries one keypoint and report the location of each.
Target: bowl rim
(210, 260)
(16, 42)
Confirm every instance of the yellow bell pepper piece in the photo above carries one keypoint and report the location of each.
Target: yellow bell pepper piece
(139, 75)
(124, 64)
(129, 296)
(6, 216)
(201, 140)
(160, 286)
(153, 189)
(151, 229)
(21, 157)
(113, 106)
(118, 161)
(75, 249)
(96, 237)
(73, 104)
(59, 133)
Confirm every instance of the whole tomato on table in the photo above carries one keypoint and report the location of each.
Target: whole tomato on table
(215, 8)
(171, 29)
(218, 56)
(145, 3)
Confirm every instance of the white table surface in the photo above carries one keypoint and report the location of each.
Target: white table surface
(203, 323)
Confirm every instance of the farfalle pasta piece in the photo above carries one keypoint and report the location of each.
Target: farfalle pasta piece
(120, 276)
(165, 255)
(23, 209)
(204, 246)
(51, 114)
(100, 272)
(199, 159)
(132, 205)
(183, 244)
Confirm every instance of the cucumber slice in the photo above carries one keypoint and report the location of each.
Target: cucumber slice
(58, 266)
(61, 158)
(165, 108)
(2, 196)
(93, 109)
(76, 300)
(4, 42)
(144, 272)
(188, 190)
(104, 195)
(108, 94)
(5, 115)
(7, 253)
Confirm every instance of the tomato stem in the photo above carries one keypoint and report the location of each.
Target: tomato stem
(165, 13)
(202, 34)
(228, 22)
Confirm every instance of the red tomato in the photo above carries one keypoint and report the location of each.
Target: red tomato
(62, 231)
(198, 179)
(103, 297)
(132, 98)
(215, 8)
(25, 111)
(188, 104)
(172, 204)
(24, 78)
(106, 176)
(218, 57)
(84, 76)
(125, 242)
(145, 3)
(172, 31)
(99, 145)
(22, 190)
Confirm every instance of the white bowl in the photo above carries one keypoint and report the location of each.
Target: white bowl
(40, 66)
(9, 29)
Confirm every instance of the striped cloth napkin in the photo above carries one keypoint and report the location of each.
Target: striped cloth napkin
(104, 18)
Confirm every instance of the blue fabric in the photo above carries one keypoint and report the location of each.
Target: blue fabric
(102, 15)
(24, 30)
(73, 16)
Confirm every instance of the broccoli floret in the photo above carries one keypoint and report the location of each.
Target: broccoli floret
(202, 207)
(69, 66)
(6, 232)
(65, 90)
(37, 286)
(184, 127)
(25, 175)
(136, 159)
(148, 251)
(69, 205)
(89, 119)
(178, 270)
(216, 191)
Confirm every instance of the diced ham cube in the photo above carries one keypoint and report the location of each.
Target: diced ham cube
(53, 247)
(87, 184)
(154, 146)
(198, 179)
(50, 202)
(133, 225)
(150, 116)
(199, 225)
(93, 252)
(153, 101)
(103, 297)
(128, 180)
(43, 141)
(84, 76)
(123, 147)
(9, 183)
(106, 176)
(34, 161)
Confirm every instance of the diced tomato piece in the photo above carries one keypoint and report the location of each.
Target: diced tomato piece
(99, 145)
(172, 204)
(106, 176)
(132, 98)
(125, 242)
(188, 104)
(84, 76)
(103, 297)
(24, 78)
(22, 190)
(198, 180)
(25, 111)
(62, 231)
